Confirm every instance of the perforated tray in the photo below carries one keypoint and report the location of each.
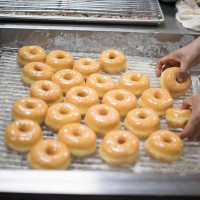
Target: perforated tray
(91, 174)
(12, 89)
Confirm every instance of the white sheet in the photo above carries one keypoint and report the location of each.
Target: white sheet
(189, 13)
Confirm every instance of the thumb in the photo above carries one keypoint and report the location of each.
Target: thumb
(182, 73)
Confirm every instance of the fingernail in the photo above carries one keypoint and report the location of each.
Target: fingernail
(180, 79)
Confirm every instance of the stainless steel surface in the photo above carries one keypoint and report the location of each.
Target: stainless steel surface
(91, 175)
(101, 11)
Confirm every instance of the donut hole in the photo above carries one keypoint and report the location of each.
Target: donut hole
(23, 127)
(121, 140)
(142, 115)
(37, 68)
(86, 62)
(101, 80)
(68, 76)
(76, 133)
(158, 95)
(29, 105)
(50, 150)
(167, 139)
(33, 51)
(119, 96)
(135, 78)
(63, 111)
(60, 56)
(103, 111)
(45, 87)
(82, 94)
(112, 56)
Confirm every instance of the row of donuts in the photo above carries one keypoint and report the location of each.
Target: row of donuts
(59, 60)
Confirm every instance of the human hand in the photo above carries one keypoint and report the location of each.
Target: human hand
(192, 128)
(185, 58)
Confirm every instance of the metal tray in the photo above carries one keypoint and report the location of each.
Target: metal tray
(91, 175)
(95, 11)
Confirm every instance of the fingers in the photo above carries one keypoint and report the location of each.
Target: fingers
(182, 73)
(159, 68)
(166, 62)
(186, 103)
(188, 131)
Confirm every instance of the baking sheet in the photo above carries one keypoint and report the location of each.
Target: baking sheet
(12, 88)
(96, 11)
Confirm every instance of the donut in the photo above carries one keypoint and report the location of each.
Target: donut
(29, 54)
(119, 147)
(169, 82)
(49, 154)
(164, 145)
(101, 83)
(46, 90)
(67, 79)
(122, 100)
(36, 71)
(134, 82)
(177, 117)
(83, 97)
(87, 66)
(112, 61)
(60, 114)
(156, 99)
(102, 119)
(142, 122)
(30, 108)
(80, 139)
(22, 135)
(59, 60)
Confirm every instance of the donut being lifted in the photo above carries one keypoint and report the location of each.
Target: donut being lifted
(169, 82)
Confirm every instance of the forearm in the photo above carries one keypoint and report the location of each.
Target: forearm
(192, 51)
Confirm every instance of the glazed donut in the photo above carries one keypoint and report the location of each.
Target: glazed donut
(46, 90)
(134, 82)
(30, 108)
(49, 154)
(101, 83)
(119, 147)
(22, 135)
(169, 82)
(156, 99)
(67, 79)
(36, 71)
(112, 61)
(59, 60)
(177, 117)
(142, 122)
(87, 66)
(122, 100)
(80, 139)
(60, 114)
(83, 97)
(102, 119)
(29, 54)
(164, 145)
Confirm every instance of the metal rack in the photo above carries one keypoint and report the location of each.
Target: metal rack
(93, 11)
